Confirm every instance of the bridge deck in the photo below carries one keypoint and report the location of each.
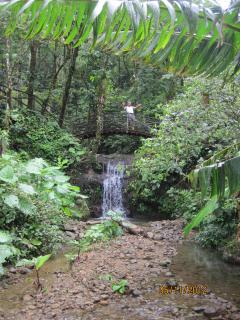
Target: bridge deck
(115, 123)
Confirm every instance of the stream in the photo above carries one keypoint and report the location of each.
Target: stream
(192, 264)
(81, 293)
(195, 264)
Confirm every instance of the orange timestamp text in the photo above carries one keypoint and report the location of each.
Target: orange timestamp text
(197, 289)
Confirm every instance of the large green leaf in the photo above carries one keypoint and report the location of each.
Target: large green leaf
(210, 207)
(12, 201)
(26, 206)
(35, 166)
(7, 174)
(27, 188)
(40, 261)
(6, 251)
(232, 171)
(216, 175)
(5, 237)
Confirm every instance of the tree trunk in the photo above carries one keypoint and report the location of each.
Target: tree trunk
(68, 85)
(238, 215)
(56, 72)
(99, 116)
(32, 74)
(9, 86)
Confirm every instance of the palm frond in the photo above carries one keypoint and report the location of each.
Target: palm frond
(178, 36)
(220, 178)
(215, 177)
(210, 207)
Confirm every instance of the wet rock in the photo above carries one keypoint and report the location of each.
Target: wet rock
(27, 297)
(23, 270)
(164, 263)
(55, 306)
(125, 306)
(235, 316)
(171, 283)
(199, 309)
(211, 312)
(174, 311)
(234, 309)
(122, 275)
(148, 257)
(75, 291)
(133, 261)
(136, 293)
(12, 270)
(150, 235)
(158, 237)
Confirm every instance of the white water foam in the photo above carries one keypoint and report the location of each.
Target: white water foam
(113, 187)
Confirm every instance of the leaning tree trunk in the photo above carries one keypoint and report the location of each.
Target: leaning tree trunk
(32, 74)
(68, 85)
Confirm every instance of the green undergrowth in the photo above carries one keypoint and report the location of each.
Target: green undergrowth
(36, 199)
(98, 233)
(42, 137)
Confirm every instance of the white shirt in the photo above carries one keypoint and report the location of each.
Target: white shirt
(129, 109)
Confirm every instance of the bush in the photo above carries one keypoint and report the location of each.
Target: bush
(180, 203)
(219, 228)
(35, 199)
(44, 138)
(102, 232)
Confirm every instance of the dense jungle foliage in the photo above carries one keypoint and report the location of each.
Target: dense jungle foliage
(52, 83)
(195, 125)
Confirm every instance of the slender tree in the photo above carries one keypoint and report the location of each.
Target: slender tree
(32, 74)
(9, 85)
(67, 87)
(101, 90)
(57, 68)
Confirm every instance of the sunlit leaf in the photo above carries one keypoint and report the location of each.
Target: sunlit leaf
(40, 261)
(7, 174)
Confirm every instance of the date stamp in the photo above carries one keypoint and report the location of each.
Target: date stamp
(190, 289)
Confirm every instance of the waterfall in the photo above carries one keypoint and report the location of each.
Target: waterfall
(112, 188)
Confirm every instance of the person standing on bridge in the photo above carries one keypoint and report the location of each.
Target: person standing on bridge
(129, 108)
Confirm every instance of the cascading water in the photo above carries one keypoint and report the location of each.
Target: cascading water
(112, 188)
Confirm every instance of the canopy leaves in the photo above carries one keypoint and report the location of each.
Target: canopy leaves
(178, 36)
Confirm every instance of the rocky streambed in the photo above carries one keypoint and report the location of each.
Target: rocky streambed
(85, 292)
